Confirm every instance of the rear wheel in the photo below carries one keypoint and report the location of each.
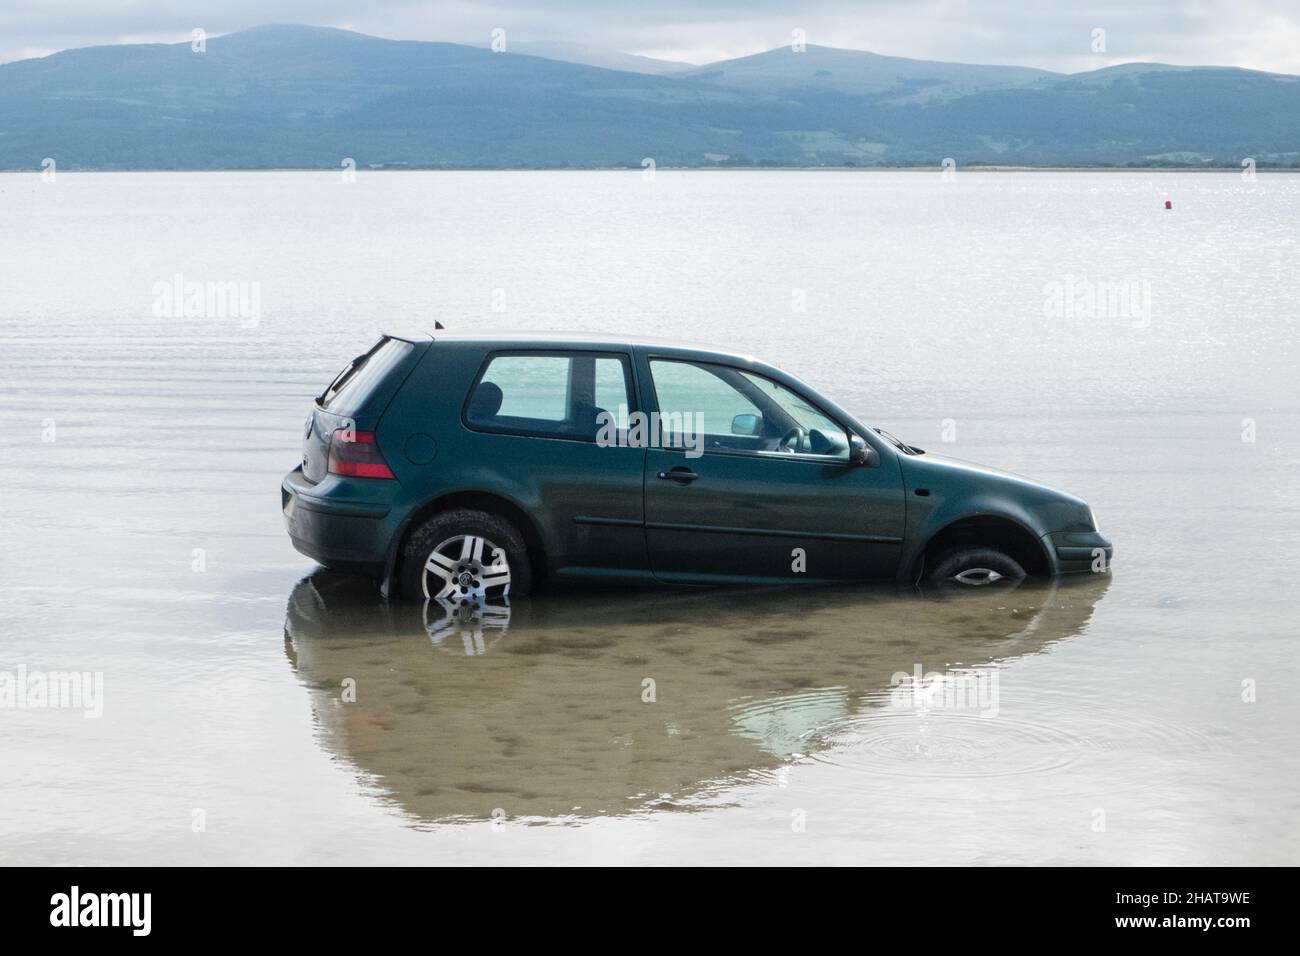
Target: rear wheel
(465, 558)
(975, 567)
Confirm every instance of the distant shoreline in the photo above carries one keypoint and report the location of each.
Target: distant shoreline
(1231, 170)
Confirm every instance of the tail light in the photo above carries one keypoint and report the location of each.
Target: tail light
(356, 455)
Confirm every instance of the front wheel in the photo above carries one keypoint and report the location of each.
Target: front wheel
(466, 557)
(975, 567)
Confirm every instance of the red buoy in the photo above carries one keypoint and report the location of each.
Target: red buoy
(1169, 204)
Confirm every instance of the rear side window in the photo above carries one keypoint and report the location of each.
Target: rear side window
(535, 388)
(352, 386)
(551, 394)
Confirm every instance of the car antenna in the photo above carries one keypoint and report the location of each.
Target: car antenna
(438, 326)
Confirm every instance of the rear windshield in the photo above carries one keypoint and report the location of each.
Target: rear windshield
(352, 386)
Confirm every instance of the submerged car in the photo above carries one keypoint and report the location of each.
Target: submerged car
(466, 468)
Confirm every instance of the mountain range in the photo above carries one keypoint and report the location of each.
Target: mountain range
(307, 97)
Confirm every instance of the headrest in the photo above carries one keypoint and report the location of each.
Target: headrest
(486, 401)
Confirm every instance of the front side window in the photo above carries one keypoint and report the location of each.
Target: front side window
(740, 411)
(553, 395)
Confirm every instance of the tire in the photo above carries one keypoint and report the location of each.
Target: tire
(465, 578)
(975, 567)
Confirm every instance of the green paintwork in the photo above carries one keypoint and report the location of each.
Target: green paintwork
(601, 513)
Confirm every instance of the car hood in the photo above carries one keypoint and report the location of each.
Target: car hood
(1043, 507)
(976, 471)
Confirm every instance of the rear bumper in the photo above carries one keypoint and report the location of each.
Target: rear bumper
(1078, 552)
(339, 525)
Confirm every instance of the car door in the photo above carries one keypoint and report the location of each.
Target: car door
(747, 479)
(537, 416)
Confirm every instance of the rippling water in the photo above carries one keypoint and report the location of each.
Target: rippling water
(1107, 724)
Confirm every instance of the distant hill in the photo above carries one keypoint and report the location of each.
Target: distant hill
(857, 72)
(306, 97)
(599, 56)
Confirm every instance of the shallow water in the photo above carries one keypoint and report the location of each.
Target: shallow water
(1110, 725)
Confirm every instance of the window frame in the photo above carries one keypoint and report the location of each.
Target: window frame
(799, 456)
(629, 385)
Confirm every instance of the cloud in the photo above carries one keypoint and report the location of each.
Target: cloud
(1262, 34)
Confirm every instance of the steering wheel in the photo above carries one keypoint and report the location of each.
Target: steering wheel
(796, 439)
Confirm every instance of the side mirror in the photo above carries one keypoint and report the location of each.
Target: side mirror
(860, 453)
(750, 425)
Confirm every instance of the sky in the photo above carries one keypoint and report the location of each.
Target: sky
(1052, 34)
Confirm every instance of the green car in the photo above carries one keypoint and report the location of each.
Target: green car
(466, 468)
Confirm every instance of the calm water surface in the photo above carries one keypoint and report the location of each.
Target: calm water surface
(1119, 732)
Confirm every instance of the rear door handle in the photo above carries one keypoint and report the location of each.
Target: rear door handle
(680, 474)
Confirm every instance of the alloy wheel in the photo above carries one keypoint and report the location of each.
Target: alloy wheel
(977, 577)
(467, 570)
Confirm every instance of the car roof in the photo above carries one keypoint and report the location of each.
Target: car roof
(594, 340)
(573, 339)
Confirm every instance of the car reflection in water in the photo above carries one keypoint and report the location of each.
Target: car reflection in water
(572, 705)
(467, 623)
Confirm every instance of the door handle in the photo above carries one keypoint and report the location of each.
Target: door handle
(680, 474)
